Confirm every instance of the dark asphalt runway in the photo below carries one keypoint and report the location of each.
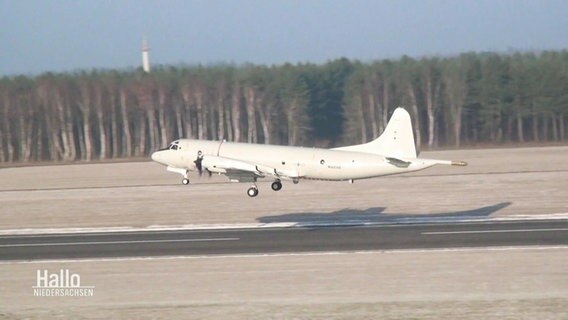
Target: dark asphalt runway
(283, 240)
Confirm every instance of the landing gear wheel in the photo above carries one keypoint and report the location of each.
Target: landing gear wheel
(276, 185)
(252, 191)
(296, 181)
(185, 181)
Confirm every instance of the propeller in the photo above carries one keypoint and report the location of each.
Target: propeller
(199, 165)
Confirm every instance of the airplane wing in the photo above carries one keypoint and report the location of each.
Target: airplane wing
(243, 171)
(235, 175)
(279, 174)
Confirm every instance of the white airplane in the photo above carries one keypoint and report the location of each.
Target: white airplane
(391, 153)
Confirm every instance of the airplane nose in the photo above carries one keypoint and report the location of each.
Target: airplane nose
(156, 156)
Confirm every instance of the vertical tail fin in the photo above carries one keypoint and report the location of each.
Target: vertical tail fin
(396, 141)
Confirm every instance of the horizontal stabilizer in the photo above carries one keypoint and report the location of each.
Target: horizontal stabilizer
(398, 163)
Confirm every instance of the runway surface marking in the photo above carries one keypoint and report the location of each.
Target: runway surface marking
(114, 242)
(288, 254)
(395, 221)
(493, 231)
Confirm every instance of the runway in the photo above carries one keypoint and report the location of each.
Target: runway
(283, 240)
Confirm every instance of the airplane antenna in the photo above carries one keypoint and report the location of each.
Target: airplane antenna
(145, 56)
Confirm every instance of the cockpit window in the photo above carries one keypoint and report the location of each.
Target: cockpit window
(174, 145)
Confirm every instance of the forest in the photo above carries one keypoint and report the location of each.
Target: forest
(466, 100)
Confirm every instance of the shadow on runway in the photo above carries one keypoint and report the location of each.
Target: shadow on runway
(376, 215)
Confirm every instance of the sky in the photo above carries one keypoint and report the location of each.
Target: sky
(68, 35)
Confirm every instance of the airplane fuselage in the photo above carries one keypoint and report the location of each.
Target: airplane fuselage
(307, 163)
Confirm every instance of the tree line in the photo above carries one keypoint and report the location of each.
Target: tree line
(467, 99)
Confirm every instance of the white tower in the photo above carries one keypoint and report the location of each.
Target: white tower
(145, 56)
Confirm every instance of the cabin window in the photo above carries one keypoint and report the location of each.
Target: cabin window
(322, 161)
(283, 162)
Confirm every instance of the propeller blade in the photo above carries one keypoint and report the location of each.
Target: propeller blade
(199, 166)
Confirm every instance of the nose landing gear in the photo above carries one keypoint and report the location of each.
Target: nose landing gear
(183, 172)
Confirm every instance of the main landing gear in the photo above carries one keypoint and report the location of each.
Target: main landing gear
(252, 191)
(276, 185)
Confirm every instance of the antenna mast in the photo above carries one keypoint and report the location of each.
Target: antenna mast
(145, 56)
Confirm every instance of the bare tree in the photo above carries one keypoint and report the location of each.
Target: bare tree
(127, 140)
(455, 81)
(431, 89)
(250, 95)
(187, 96)
(236, 111)
(416, 118)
